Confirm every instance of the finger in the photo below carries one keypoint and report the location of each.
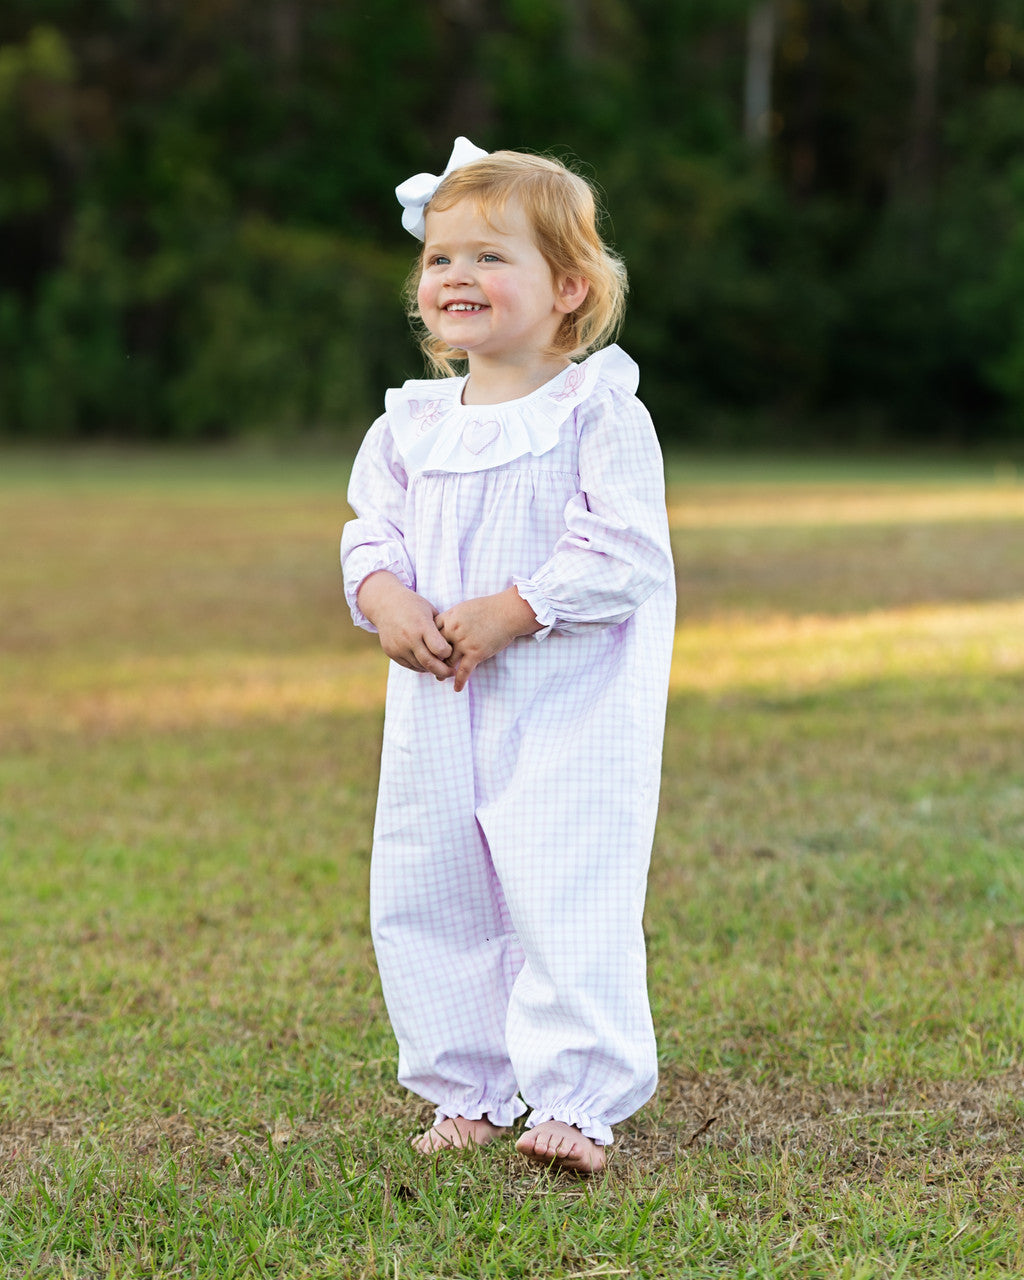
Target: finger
(427, 662)
(437, 644)
(435, 667)
(464, 670)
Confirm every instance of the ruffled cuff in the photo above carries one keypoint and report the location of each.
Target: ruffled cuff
(501, 1114)
(538, 602)
(590, 1128)
(359, 565)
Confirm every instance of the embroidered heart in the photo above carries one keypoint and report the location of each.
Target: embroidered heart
(476, 435)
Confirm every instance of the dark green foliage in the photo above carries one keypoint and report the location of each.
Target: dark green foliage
(198, 236)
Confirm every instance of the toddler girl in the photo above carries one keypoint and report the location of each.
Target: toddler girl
(511, 549)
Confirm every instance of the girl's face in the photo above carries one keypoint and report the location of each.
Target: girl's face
(488, 290)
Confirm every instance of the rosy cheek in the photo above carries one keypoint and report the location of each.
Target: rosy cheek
(424, 296)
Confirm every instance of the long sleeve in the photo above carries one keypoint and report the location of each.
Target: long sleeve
(615, 550)
(375, 539)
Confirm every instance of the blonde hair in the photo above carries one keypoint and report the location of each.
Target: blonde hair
(563, 211)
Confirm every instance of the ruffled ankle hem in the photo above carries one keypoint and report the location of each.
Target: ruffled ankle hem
(501, 1114)
(590, 1128)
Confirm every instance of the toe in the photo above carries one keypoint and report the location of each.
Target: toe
(431, 1141)
(560, 1146)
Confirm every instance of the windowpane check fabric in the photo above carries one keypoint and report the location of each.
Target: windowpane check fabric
(515, 819)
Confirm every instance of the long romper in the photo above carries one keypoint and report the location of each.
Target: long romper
(515, 819)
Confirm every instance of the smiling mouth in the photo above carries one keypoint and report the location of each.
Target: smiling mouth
(464, 306)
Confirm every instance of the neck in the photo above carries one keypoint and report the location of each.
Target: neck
(495, 384)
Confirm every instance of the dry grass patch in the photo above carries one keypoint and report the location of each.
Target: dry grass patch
(870, 1133)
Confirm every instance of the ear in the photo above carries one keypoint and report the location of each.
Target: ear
(570, 292)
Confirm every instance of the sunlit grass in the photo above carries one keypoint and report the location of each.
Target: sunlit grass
(135, 691)
(196, 1074)
(801, 506)
(213, 688)
(810, 652)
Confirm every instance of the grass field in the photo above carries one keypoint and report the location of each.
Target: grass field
(196, 1072)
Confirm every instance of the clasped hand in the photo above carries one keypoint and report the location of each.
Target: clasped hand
(451, 644)
(478, 629)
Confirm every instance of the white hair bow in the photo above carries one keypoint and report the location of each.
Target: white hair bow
(415, 193)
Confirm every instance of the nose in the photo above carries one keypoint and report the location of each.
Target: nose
(456, 273)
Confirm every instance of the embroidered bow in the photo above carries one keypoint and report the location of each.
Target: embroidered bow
(415, 193)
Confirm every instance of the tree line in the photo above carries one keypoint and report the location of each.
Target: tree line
(819, 202)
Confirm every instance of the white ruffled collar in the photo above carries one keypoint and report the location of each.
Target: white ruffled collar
(434, 431)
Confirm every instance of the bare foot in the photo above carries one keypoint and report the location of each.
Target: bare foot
(562, 1146)
(456, 1132)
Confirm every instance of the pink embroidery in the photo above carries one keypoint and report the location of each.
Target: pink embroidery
(476, 435)
(573, 381)
(428, 414)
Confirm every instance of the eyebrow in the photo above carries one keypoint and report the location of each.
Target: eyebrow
(473, 244)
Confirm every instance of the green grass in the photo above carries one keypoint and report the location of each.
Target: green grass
(196, 1071)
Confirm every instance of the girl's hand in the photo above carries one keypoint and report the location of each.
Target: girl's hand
(480, 628)
(405, 625)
